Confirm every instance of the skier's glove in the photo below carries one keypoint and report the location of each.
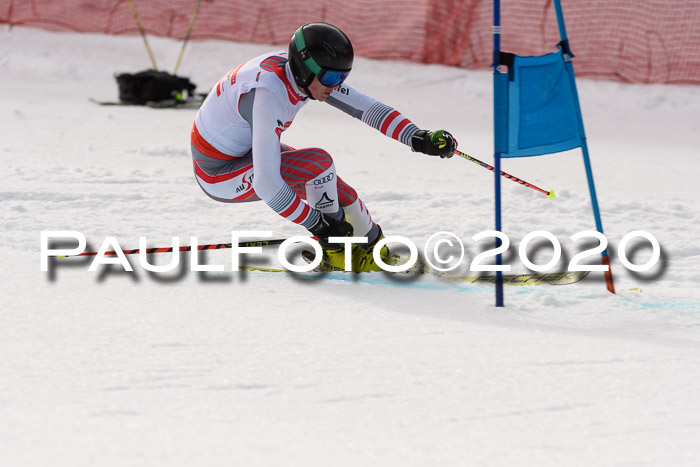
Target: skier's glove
(326, 226)
(434, 143)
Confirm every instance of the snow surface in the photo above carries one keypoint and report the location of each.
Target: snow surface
(114, 368)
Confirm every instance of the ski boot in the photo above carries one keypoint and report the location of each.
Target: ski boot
(332, 260)
(363, 255)
(363, 258)
(333, 253)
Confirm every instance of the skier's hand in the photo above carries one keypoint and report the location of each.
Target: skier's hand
(434, 143)
(330, 227)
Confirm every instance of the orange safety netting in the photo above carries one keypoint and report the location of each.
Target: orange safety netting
(641, 41)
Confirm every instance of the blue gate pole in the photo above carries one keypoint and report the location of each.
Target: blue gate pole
(584, 145)
(497, 154)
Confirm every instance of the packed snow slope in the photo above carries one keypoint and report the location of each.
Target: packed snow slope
(128, 368)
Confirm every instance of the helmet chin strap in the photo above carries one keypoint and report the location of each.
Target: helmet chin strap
(308, 93)
(306, 85)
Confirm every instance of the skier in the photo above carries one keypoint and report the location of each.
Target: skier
(238, 156)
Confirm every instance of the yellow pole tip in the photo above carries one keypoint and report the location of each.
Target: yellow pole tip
(550, 195)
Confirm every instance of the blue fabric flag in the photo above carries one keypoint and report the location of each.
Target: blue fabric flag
(541, 108)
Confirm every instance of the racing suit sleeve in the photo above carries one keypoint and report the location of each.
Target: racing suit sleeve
(373, 112)
(267, 111)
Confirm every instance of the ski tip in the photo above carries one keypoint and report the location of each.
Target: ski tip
(550, 195)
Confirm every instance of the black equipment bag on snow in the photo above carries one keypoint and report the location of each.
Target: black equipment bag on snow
(152, 86)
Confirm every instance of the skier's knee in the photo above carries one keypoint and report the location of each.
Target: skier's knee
(320, 159)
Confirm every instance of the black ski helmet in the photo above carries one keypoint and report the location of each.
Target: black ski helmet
(317, 48)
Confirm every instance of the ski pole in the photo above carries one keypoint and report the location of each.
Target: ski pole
(143, 33)
(549, 194)
(187, 35)
(212, 246)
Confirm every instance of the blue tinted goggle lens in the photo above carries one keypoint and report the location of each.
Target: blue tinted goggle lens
(332, 78)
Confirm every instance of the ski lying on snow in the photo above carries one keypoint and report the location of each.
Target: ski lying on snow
(551, 278)
(166, 104)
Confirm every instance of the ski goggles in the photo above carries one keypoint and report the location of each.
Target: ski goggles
(332, 78)
(326, 76)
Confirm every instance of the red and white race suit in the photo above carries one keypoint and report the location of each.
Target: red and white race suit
(238, 155)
